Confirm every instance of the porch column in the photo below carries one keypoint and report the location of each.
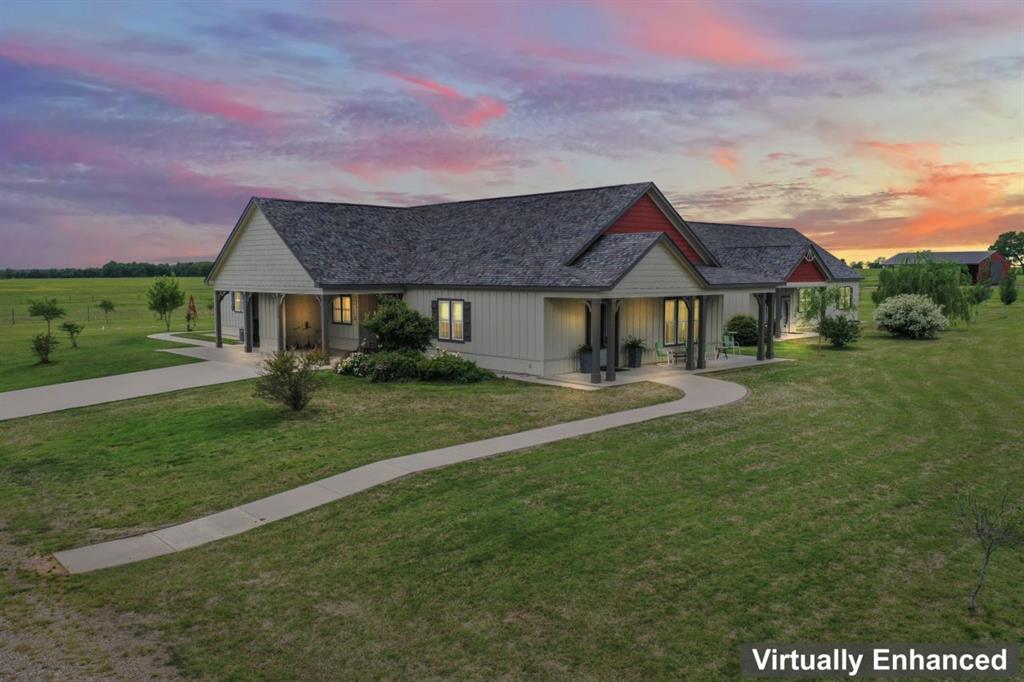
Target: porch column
(612, 332)
(760, 326)
(770, 336)
(778, 314)
(689, 333)
(595, 340)
(247, 316)
(281, 327)
(325, 321)
(218, 296)
(701, 333)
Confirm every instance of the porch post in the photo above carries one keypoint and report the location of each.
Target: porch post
(325, 321)
(760, 326)
(218, 296)
(777, 329)
(281, 327)
(595, 340)
(689, 333)
(770, 336)
(701, 334)
(247, 316)
(612, 332)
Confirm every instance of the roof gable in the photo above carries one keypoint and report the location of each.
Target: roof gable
(808, 270)
(645, 216)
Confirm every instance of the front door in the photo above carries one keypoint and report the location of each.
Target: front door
(254, 302)
(785, 314)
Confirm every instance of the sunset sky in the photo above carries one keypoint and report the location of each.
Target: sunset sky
(138, 131)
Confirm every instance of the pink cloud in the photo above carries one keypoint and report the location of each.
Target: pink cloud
(696, 30)
(204, 97)
(453, 106)
(726, 158)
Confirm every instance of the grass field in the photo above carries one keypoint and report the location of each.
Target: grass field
(822, 508)
(106, 347)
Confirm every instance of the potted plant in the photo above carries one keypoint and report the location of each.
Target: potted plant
(635, 348)
(586, 355)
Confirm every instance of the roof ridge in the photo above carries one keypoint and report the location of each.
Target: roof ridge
(534, 194)
(759, 227)
(331, 203)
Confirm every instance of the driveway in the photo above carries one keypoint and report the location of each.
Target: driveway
(221, 365)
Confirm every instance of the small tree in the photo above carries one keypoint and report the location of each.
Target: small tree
(1008, 288)
(994, 526)
(164, 297)
(107, 306)
(399, 327)
(48, 309)
(73, 329)
(817, 304)
(191, 314)
(1011, 245)
(289, 379)
(43, 345)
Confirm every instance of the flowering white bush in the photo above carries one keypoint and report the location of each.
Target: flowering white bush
(910, 315)
(356, 364)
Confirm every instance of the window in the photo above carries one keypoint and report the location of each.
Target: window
(674, 329)
(450, 319)
(236, 301)
(341, 310)
(845, 298)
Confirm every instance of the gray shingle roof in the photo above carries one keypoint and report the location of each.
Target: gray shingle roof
(518, 241)
(770, 251)
(962, 257)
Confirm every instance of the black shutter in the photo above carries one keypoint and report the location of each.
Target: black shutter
(433, 315)
(467, 322)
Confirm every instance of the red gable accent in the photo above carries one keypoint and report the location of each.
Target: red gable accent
(645, 216)
(807, 271)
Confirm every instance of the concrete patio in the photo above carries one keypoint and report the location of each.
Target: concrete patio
(658, 372)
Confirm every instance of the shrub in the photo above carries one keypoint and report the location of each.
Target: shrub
(1008, 288)
(289, 379)
(744, 328)
(43, 345)
(73, 329)
(398, 365)
(446, 366)
(398, 327)
(839, 330)
(355, 364)
(910, 315)
(943, 283)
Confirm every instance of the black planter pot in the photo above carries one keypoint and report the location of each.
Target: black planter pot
(634, 356)
(586, 362)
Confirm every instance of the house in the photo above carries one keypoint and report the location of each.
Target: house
(515, 283)
(979, 264)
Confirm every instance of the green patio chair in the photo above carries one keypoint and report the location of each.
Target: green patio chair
(727, 346)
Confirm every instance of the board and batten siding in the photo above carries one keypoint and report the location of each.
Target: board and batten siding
(259, 260)
(659, 273)
(270, 324)
(507, 326)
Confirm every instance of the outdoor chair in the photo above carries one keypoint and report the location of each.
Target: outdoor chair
(671, 355)
(728, 345)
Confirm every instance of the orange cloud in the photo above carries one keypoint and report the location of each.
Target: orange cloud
(726, 158)
(454, 107)
(696, 30)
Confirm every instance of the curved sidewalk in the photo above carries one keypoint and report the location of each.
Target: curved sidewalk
(699, 393)
(221, 366)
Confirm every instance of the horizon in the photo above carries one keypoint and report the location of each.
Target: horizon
(138, 132)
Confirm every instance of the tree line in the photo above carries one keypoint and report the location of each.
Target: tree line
(114, 269)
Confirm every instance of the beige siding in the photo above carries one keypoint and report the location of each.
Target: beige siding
(564, 331)
(659, 273)
(507, 326)
(259, 260)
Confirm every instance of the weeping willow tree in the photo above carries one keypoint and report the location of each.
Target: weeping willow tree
(945, 283)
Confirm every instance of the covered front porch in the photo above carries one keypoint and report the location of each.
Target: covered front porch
(653, 372)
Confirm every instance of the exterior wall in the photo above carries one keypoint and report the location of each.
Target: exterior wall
(298, 312)
(659, 273)
(259, 260)
(507, 332)
(807, 271)
(645, 216)
(230, 321)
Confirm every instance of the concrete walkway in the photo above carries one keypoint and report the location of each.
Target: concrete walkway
(221, 365)
(699, 393)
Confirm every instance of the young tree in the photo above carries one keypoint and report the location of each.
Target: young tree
(107, 306)
(48, 309)
(1011, 245)
(164, 297)
(817, 304)
(191, 314)
(290, 379)
(73, 329)
(1008, 288)
(994, 526)
(43, 345)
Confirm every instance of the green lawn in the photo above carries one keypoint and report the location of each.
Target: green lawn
(107, 347)
(822, 508)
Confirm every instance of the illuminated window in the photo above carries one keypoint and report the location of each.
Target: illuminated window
(674, 332)
(846, 298)
(451, 321)
(341, 312)
(236, 301)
